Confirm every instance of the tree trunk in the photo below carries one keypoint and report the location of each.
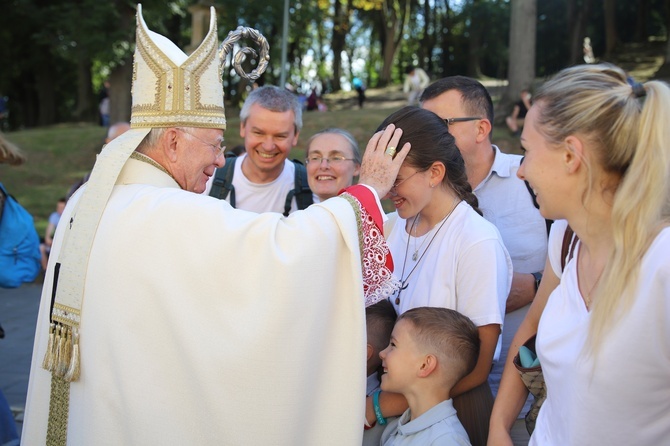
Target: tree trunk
(388, 54)
(664, 71)
(641, 21)
(46, 95)
(474, 48)
(577, 15)
(120, 80)
(121, 76)
(521, 72)
(446, 39)
(86, 109)
(394, 15)
(475, 41)
(340, 30)
(427, 43)
(611, 38)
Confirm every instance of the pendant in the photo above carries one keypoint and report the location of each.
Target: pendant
(415, 255)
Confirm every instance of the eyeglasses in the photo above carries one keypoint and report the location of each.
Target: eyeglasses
(398, 183)
(450, 121)
(217, 148)
(331, 160)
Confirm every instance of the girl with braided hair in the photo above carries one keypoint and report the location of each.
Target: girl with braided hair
(445, 253)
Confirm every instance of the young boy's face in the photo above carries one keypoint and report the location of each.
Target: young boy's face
(401, 359)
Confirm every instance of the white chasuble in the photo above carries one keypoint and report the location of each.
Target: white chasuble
(261, 343)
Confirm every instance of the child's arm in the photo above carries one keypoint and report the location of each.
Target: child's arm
(49, 233)
(391, 405)
(488, 336)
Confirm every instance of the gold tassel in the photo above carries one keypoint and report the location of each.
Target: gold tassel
(57, 348)
(47, 363)
(74, 371)
(65, 348)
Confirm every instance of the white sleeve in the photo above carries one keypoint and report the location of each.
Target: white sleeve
(555, 247)
(482, 297)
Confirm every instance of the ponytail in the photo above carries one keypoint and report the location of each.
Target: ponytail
(640, 208)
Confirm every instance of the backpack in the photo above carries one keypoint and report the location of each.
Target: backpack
(223, 185)
(568, 246)
(19, 244)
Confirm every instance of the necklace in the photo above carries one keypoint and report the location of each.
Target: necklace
(587, 296)
(415, 225)
(404, 282)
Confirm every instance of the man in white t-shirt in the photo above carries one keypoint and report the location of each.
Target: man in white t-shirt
(263, 177)
(467, 109)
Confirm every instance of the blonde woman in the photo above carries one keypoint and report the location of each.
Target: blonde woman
(597, 156)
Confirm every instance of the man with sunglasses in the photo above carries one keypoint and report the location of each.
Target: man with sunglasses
(467, 108)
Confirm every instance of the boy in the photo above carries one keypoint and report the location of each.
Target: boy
(379, 320)
(431, 349)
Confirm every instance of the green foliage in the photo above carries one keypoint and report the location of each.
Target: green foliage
(57, 157)
(42, 41)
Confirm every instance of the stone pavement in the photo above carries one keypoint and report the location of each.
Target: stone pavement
(18, 315)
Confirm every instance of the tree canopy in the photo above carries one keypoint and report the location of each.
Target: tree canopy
(55, 55)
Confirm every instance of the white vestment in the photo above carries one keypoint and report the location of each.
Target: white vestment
(262, 343)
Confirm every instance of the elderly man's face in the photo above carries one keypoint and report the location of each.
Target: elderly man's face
(199, 156)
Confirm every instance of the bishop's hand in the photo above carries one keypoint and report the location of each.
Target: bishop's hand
(382, 160)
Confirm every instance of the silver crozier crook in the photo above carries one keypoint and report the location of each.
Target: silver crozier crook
(241, 55)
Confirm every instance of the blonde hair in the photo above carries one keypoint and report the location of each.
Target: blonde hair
(626, 126)
(10, 153)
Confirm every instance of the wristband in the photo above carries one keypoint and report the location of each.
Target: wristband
(378, 411)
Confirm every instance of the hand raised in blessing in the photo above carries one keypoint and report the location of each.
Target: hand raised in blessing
(382, 160)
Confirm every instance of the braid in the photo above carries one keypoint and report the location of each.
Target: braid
(464, 192)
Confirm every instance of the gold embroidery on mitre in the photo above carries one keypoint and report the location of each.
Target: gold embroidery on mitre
(167, 95)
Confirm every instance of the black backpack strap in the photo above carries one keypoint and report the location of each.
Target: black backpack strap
(301, 191)
(568, 246)
(223, 181)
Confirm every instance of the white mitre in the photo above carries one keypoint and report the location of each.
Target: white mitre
(170, 89)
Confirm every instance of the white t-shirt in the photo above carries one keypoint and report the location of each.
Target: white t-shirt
(267, 197)
(624, 397)
(506, 202)
(465, 268)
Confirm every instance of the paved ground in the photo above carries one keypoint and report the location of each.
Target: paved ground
(18, 314)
